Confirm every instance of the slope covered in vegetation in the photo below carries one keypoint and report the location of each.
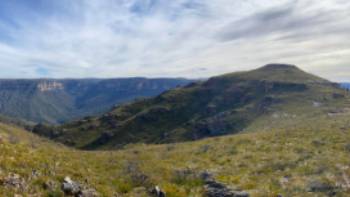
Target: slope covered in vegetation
(289, 156)
(222, 105)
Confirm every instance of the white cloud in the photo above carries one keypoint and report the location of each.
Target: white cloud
(189, 38)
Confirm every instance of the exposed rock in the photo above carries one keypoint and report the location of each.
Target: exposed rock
(320, 186)
(88, 193)
(14, 180)
(338, 112)
(216, 189)
(70, 187)
(316, 104)
(35, 174)
(157, 192)
(46, 86)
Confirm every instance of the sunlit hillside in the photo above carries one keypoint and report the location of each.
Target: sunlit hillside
(309, 158)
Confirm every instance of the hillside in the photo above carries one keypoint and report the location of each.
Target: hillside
(57, 101)
(226, 104)
(304, 160)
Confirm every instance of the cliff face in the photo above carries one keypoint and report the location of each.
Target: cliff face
(49, 86)
(55, 101)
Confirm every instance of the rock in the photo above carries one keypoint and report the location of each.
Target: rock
(214, 188)
(316, 104)
(35, 174)
(241, 194)
(319, 186)
(88, 193)
(70, 187)
(14, 180)
(157, 192)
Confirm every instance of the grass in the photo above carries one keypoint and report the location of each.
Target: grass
(267, 163)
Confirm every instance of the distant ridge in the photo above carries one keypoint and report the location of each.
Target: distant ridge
(345, 85)
(59, 100)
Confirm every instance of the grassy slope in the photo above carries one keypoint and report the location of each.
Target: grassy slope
(288, 153)
(222, 105)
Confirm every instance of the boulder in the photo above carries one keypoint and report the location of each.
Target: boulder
(14, 180)
(319, 186)
(157, 192)
(214, 188)
(70, 187)
(88, 193)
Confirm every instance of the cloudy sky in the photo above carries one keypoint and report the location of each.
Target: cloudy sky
(171, 38)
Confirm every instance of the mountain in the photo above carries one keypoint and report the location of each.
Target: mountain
(57, 101)
(227, 104)
(293, 141)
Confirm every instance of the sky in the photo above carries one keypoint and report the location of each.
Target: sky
(171, 38)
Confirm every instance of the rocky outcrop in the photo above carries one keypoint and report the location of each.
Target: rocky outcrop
(157, 192)
(46, 86)
(14, 181)
(322, 187)
(70, 187)
(213, 188)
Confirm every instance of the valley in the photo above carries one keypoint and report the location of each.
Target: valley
(273, 131)
(59, 100)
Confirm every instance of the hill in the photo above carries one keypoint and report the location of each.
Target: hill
(56, 101)
(227, 104)
(307, 159)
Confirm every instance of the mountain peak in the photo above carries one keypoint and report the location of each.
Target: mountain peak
(277, 72)
(275, 66)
